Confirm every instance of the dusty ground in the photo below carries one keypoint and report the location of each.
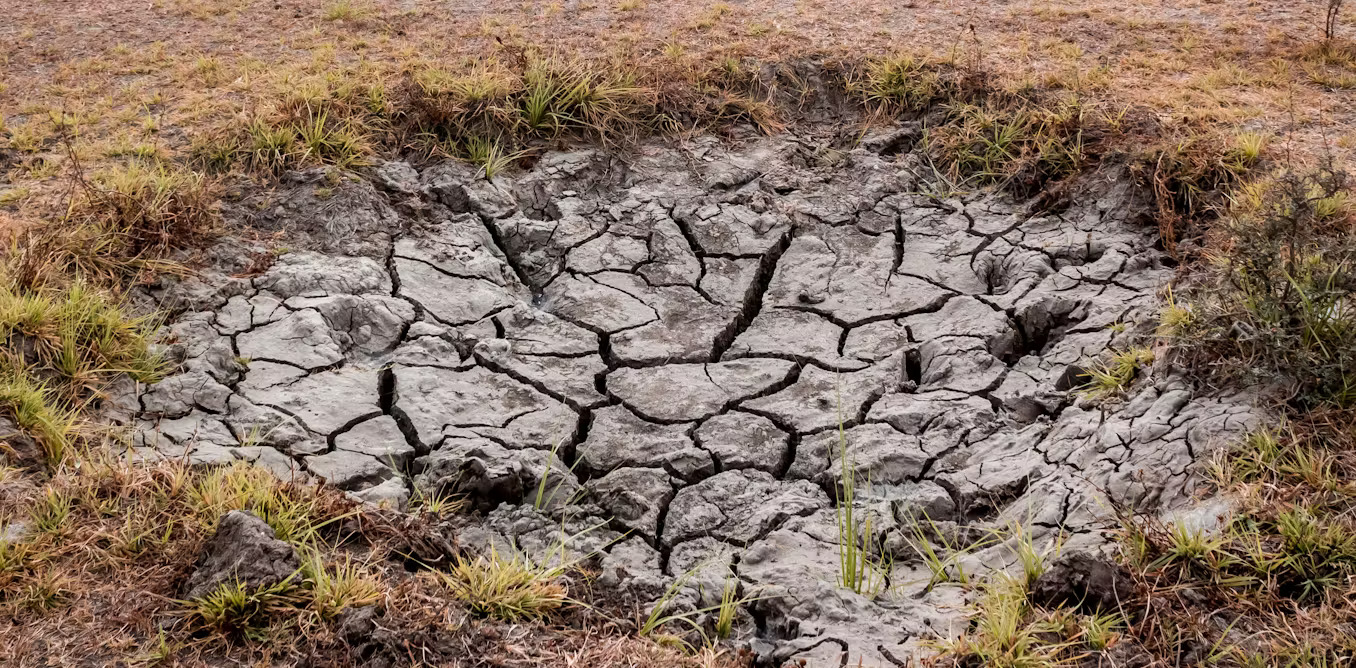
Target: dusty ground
(152, 74)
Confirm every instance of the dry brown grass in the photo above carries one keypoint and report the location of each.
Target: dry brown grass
(108, 543)
(149, 77)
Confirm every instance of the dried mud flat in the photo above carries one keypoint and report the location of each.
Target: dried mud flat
(687, 327)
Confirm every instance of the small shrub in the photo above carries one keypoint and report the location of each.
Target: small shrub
(1278, 301)
(1334, 11)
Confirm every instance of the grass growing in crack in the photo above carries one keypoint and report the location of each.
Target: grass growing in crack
(488, 155)
(729, 606)
(1007, 633)
(730, 603)
(947, 565)
(542, 499)
(1032, 559)
(859, 569)
(1112, 376)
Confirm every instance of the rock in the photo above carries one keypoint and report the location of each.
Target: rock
(244, 549)
(800, 334)
(488, 474)
(391, 493)
(396, 176)
(1084, 581)
(307, 274)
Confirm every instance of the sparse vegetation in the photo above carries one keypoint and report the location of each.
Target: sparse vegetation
(861, 568)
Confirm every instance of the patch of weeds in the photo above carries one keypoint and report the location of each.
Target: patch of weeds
(333, 588)
(14, 196)
(296, 514)
(52, 514)
(662, 614)
(1188, 176)
(1008, 633)
(901, 83)
(489, 156)
(344, 10)
(147, 210)
(1287, 551)
(549, 97)
(944, 565)
(1175, 318)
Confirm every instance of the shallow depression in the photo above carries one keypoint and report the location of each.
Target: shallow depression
(676, 347)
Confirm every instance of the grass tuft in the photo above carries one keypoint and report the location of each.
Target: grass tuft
(1113, 376)
(511, 588)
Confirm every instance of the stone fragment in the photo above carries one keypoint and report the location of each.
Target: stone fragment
(434, 398)
(302, 339)
(323, 402)
(453, 299)
(305, 274)
(879, 455)
(633, 497)
(349, 470)
(798, 334)
(821, 399)
(488, 474)
(1084, 581)
(244, 549)
(849, 276)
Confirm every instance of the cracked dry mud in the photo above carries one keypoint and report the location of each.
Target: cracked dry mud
(686, 328)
